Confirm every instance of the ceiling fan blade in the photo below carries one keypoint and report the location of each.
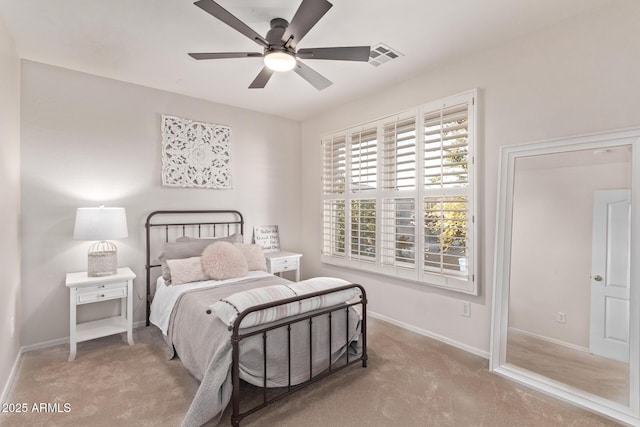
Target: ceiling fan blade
(222, 14)
(261, 80)
(307, 15)
(351, 53)
(309, 74)
(224, 55)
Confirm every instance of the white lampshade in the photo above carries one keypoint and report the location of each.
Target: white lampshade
(100, 224)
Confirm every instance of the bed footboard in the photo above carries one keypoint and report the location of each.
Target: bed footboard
(237, 336)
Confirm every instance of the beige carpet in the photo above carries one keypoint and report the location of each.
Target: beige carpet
(411, 381)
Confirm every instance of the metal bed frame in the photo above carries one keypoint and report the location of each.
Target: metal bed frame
(237, 335)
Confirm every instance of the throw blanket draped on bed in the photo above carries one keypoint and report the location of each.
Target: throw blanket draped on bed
(202, 342)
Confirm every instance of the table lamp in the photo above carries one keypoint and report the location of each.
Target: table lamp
(101, 224)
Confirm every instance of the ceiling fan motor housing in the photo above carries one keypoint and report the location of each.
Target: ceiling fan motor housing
(279, 23)
(275, 34)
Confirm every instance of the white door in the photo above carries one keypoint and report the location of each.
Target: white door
(609, 331)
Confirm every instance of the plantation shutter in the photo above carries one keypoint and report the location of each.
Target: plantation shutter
(363, 229)
(334, 167)
(399, 159)
(445, 235)
(334, 228)
(399, 155)
(446, 147)
(364, 160)
(399, 234)
(446, 190)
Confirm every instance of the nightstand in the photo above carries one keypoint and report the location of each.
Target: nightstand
(278, 262)
(87, 290)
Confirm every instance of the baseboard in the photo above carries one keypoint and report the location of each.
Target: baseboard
(44, 344)
(424, 332)
(12, 375)
(550, 340)
(139, 324)
(65, 340)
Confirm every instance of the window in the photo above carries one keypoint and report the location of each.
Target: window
(399, 195)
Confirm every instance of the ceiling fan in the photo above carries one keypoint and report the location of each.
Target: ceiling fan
(279, 45)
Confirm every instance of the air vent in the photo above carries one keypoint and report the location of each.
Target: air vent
(381, 54)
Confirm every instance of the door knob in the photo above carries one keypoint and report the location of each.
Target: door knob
(597, 278)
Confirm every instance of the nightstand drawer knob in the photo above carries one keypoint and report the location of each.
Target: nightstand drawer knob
(101, 296)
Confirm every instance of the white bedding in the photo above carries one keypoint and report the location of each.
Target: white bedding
(166, 296)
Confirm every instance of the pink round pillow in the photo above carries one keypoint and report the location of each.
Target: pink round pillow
(222, 260)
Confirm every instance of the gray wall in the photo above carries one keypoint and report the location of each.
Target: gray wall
(87, 140)
(577, 77)
(9, 202)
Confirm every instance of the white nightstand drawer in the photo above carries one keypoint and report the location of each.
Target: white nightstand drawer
(281, 268)
(284, 264)
(98, 293)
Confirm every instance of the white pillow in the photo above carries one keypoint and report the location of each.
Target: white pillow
(186, 270)
(222, 260)
(254, 255)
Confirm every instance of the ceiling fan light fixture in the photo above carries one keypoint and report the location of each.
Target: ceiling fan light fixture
(280, 61)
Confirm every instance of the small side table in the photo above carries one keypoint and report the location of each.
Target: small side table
(87, 290)
(278, 262)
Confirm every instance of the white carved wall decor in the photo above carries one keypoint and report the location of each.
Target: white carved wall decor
(195, 154)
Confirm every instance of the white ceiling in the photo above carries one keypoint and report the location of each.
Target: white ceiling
(146, 42)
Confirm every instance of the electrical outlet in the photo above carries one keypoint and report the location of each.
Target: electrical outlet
(465, 309)
(13, 326)
(562, 317)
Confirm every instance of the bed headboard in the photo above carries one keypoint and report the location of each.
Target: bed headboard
(166, 226)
